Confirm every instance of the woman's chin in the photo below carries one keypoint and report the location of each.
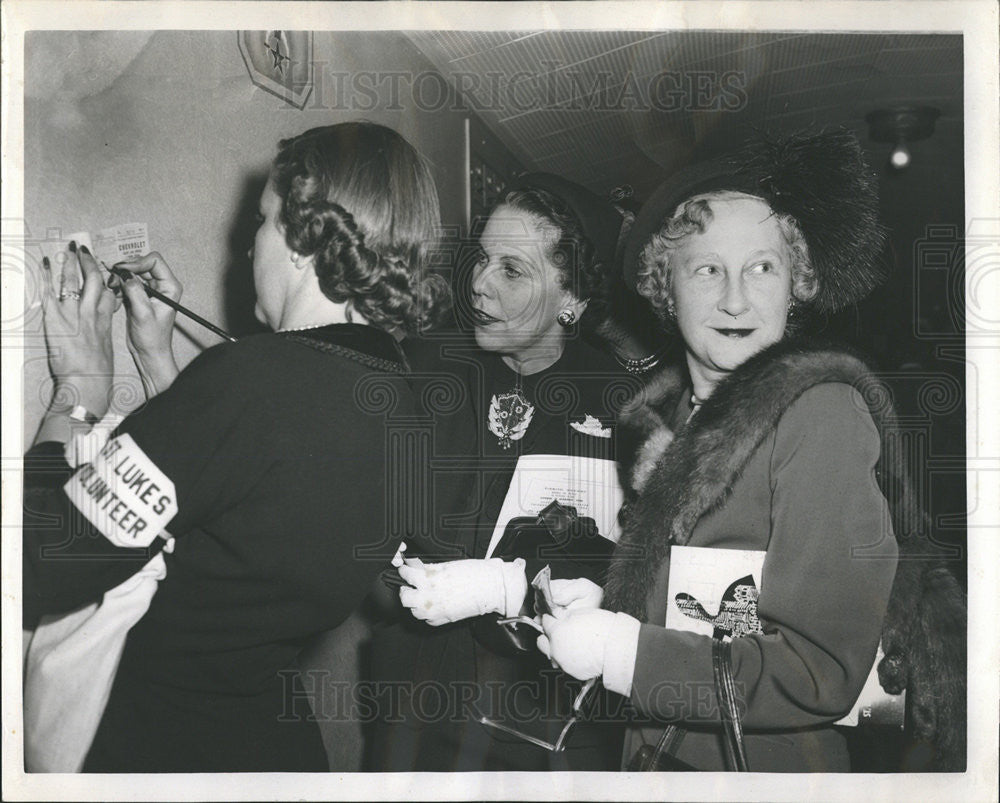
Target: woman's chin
(488, 338)
(258, 313)
(730, 356)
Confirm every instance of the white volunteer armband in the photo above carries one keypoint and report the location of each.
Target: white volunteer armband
(124, 494)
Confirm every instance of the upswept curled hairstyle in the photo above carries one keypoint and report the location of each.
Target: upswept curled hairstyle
(359, 199)
(573, 253)
(654, 273)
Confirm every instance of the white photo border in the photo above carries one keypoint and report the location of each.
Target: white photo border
(977, 21)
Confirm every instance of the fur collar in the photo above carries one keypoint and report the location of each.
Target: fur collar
(695, 474)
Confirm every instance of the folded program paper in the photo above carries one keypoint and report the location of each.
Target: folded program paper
(717, 589)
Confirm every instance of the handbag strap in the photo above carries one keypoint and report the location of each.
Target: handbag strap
(670, 740)
(725, 687)
(732, 728)
(646, 760)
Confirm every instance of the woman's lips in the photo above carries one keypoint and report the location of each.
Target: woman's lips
(481, 318)
(734, 332)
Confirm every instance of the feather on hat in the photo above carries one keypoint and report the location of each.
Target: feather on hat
(821, 180)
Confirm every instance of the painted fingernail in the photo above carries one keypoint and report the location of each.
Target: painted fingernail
(84, 249)
(46, 264)
(72, 246)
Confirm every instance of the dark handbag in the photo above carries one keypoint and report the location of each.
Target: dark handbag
(660, 757)
(556, 537)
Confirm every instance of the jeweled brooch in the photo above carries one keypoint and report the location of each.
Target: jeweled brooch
(510, 414)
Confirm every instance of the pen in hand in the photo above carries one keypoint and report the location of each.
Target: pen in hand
(125, 275)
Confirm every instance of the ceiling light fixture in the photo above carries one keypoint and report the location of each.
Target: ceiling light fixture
(901, 126)
(900, 156)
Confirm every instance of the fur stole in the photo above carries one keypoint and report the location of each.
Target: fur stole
(684, 475)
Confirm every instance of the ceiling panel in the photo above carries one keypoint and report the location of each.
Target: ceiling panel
(458, 45)
(611, 107)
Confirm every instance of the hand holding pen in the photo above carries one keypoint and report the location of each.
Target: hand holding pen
(162, 286)
(151, 308)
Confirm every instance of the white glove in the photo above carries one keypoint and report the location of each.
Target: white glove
(577, 594)
(455, 590)
(591, 643)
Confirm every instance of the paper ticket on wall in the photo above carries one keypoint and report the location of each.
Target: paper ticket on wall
(110, 245)
(125, 241)
(587, 483)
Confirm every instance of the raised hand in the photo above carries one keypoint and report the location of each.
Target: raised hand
(150, 322)
(77, 319)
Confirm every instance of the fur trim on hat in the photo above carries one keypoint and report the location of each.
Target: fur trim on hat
(823, 182)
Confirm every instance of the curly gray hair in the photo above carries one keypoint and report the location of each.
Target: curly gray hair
(653, 277)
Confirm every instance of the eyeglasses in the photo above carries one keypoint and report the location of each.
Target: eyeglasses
(543, 604)
(560, 743)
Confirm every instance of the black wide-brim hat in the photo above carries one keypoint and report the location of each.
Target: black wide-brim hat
(821, 180)
(600, 221)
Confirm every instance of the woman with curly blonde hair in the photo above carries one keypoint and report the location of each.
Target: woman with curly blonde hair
(757, 571)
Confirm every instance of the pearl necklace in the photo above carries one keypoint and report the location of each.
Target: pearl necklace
(303, 328)
(638, 365)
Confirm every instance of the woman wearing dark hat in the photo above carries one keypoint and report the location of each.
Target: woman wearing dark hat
(767, 453)
(532, 385)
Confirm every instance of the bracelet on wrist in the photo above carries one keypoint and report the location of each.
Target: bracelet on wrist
(83, 415)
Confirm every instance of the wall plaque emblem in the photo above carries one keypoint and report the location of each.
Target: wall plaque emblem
(280, 62)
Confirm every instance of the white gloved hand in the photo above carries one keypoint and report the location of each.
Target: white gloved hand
(455, 590)
(576, 594)
(591, 643)
(397, 559)
(575, 642)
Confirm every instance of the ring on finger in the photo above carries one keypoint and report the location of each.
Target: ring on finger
(69, 294)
